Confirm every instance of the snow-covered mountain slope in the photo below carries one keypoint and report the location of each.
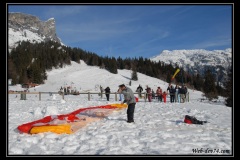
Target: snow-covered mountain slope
(196, 61)
(82, 77)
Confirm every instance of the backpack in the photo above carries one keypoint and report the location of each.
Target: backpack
(192, 120)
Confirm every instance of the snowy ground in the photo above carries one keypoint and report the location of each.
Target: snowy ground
(158, 129)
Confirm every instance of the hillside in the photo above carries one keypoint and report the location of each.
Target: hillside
(88, 78)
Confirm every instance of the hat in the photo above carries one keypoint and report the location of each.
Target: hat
(121, 85)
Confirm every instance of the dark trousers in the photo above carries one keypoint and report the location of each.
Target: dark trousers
(172, 98)
(159, 98)
(130, 112)
(107, 95)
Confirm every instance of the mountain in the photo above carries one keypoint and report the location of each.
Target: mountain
(198, 60)
(25, 27)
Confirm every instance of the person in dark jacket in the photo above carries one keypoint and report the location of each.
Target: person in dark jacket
(169, 87)
(139, 90)
(172, 94)
(181, 91)
(107, 93)
(185, 91)
(129, 98)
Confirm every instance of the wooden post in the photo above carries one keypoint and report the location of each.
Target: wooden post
(115, 96)
(39, 96)
(88, 96)
(145, 97)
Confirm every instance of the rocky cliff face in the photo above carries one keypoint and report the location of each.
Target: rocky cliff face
(28, 27)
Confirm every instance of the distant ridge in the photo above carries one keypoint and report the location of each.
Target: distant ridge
(197, 60)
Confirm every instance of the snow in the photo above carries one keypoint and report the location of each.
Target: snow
(22, 35)
(158, 129)
(51, 19)
(205, 57)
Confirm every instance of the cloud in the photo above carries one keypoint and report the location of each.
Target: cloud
(60, 11)
(96, 29)
(217, 42)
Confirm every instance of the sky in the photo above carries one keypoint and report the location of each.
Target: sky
(137, 30)
(159, 128)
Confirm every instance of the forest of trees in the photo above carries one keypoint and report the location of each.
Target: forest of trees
(29, 62)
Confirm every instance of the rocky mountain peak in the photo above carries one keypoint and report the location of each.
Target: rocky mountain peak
(31, 28)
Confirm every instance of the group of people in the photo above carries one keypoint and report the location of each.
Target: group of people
(159, 94)
(177, 93)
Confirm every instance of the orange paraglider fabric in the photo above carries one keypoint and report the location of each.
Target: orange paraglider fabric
(69, 123)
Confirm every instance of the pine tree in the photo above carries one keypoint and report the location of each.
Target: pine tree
(12, 74)
(209, 87)
(198, 82)
(229, 90)
(134, 73)
(112, 65)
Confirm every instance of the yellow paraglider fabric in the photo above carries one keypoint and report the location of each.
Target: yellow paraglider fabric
(119, 105)
(176, 72)
(65, 128)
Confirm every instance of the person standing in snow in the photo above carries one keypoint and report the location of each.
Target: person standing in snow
(169, 87)
(121, 97)
(177, 95)
(164, 96)
(172, 94)
(159, 94)
(185, 91)
(153, 94)
(149, 93)
(139, 90)
(101, 90)
(129, 98)
(107, 93)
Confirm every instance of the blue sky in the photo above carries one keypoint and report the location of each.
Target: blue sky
(138, 30)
